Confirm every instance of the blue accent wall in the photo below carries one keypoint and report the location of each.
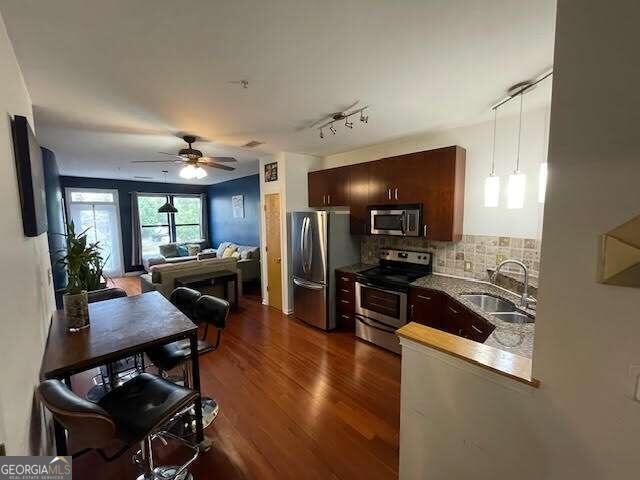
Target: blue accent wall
(125, 188)
(55, 216)
(222, 225)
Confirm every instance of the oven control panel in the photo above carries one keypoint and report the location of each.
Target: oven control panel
(408, 256)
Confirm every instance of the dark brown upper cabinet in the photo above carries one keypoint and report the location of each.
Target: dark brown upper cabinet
(329, 188)
(433, 178)
(359, 197)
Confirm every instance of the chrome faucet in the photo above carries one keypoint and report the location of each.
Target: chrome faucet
(524, 300)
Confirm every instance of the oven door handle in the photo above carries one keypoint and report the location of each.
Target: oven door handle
(377, 326)
(368, 285)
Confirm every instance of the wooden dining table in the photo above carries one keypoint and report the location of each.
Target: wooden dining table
(119, 328)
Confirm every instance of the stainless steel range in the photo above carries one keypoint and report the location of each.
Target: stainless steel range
(381, 295)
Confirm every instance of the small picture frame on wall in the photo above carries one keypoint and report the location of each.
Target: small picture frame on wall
(271, 172)
(237, 205)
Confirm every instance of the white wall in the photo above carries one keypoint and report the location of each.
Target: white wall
(583, 422)
(477, 140)
(293, 188)
(26, 301)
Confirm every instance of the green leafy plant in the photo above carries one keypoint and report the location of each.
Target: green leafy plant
(82, 262)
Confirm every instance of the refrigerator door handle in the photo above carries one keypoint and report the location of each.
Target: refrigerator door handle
(308, 257)
(302, 244)
(309, 285)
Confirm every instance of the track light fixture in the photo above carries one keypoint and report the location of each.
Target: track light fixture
(329, 122)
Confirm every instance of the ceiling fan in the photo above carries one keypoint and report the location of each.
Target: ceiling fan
(193, 160)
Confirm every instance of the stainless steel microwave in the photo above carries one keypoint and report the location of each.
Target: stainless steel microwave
(398, 220)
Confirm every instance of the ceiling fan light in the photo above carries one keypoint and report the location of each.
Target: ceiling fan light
(188, 172)
(200, 173)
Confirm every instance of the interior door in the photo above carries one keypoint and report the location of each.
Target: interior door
(274, 253)
(97, 213)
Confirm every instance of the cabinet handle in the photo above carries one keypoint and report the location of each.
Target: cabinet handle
(476, 329)
(411, 310)
(424, 229)
(389, 193)
(396, 193)
(344, 301)
(346, 279)
(423, 297)
(345, 290)
(346, 317)
(324, 201)
(454, 311)
(328, 199)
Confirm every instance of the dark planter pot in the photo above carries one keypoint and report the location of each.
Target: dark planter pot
(76, 310)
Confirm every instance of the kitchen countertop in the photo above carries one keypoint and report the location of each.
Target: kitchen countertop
(454, 287)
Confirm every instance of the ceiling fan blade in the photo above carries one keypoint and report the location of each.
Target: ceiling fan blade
(153, 161)
(219, 159)
(217, 165)
(173, 155)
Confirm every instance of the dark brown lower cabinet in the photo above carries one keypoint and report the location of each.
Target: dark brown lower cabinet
(437, 310)
(345, 301)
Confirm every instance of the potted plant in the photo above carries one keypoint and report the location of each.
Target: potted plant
(83, 264)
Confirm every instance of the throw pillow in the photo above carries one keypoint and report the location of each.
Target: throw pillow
(228, 252)
(169, 250)
(193, 250)
(183, 251)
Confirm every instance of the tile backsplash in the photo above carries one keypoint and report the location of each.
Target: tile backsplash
(469, 258)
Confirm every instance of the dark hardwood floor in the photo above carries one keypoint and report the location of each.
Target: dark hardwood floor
(295, 403)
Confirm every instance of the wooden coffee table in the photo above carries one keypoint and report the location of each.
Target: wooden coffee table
(210, 279)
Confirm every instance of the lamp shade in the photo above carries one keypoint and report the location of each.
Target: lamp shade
(491, 191)
(167, 208)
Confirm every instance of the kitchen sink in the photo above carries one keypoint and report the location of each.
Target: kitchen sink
(489, 303)
(514, 317)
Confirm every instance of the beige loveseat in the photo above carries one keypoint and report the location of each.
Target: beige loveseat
(162, 277)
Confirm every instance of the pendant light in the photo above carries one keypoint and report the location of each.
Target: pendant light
(517, 180)
(167, 207)
(492, 182)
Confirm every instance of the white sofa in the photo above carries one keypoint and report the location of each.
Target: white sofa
(162, 277)
(248, 259)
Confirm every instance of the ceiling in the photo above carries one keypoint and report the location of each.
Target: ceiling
(115, 81)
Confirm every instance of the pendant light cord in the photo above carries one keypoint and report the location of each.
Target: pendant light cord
(519, 137)
(493, 148)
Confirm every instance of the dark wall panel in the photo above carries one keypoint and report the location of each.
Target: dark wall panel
(223, 227)
(55, 216)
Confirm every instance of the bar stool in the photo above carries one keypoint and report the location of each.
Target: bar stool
(132, 413)
(210, 311)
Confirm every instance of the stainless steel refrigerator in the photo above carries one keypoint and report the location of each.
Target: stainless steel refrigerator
(320, 242)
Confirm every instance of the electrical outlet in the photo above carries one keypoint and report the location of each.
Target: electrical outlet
(468, 266)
